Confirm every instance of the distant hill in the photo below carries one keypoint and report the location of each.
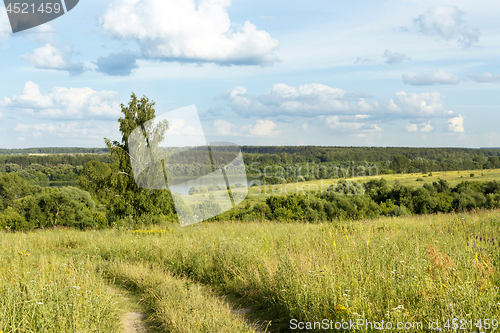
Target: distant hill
(53, 150)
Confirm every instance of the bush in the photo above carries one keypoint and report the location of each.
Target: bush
(399, 211)
(11, 219)
(202, 189)
(100, 219)
(261, 208)
(214, 187)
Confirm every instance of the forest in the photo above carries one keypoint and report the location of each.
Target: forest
(107, 194)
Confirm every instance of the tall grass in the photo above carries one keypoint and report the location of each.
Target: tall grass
(178, 304)
(413, 269)
(41, 291)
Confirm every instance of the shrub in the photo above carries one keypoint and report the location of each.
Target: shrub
(399, 211)
(100, 219)
(11, 219)
(261, 208)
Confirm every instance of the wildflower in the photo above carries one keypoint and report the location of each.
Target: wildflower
(340, 308)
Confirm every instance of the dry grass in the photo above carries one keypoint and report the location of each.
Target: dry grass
(400, 269)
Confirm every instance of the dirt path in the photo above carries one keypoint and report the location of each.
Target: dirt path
(132, 322)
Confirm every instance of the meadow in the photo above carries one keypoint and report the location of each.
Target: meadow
(413, 269)
(409, 179)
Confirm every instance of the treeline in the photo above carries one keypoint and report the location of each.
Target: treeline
(24, 161)
(387, 160)
(267, 161)
(37, 173)
(24, 206)
(352, 201)
(53, 150)
(318, 154)
(50, 168)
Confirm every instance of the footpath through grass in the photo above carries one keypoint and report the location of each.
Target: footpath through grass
(411, 269)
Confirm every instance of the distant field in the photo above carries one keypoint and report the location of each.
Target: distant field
(409, 269)
(452, 177)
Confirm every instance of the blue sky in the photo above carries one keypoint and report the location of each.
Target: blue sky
(364, 73)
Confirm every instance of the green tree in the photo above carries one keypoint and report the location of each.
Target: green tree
(115, 185)
(401, 164)
(12, 187)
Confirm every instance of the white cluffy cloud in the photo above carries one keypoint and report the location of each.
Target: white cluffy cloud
(49, 57)
(188, 31)
(417, 105)
(261, 128)
(456, 124)
(447, 23)
(64, 103)
(485, 77)
(411, 127)
(61, 130)
(394, 57)
(350, 124)
(424, 127)
(307, 100)
(440, 76)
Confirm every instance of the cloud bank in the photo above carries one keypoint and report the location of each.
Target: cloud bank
(394, 57)
(64, 103)
(485, 77)
(438, 77)
(447, 23)
(188, 31)
(261, 129)
(307, 100)
(49, 57)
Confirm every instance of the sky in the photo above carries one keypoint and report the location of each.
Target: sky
(331, 73)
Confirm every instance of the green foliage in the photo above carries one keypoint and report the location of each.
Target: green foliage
(344, 203)
(114, 184)
(11, 219)
(100, 219)
(285, 207)
(400, 164)
(261, 208)
(12, 187)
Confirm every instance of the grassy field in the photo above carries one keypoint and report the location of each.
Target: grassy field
(412, 269)
(259, 193)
